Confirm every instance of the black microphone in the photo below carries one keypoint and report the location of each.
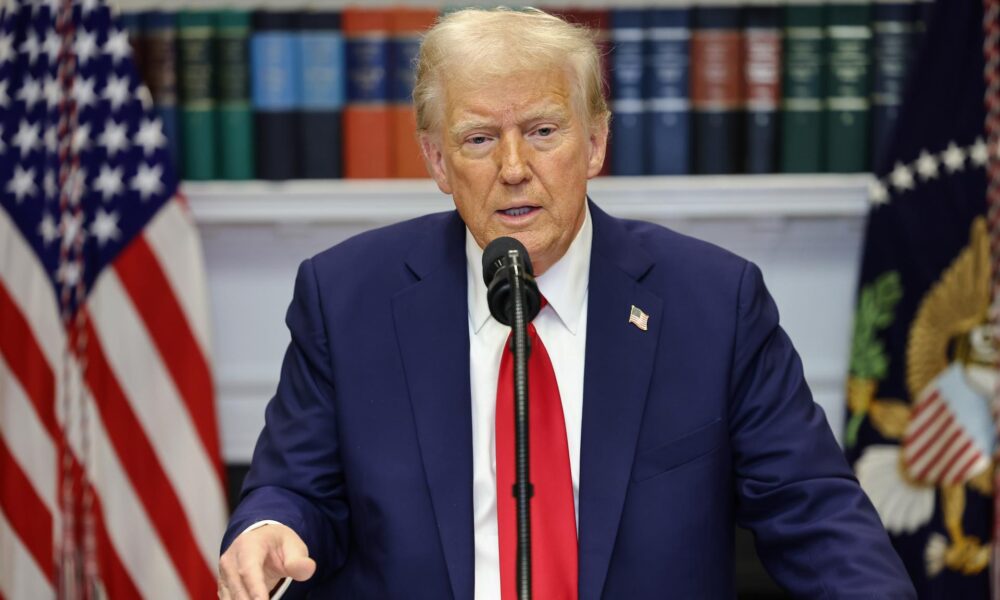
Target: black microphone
(506, 258)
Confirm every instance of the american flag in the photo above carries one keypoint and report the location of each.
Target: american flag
(638, 317)
(111, 482)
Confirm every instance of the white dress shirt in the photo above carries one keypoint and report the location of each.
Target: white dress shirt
(562, 326)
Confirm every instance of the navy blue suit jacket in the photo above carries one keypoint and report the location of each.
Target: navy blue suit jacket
(698, 424)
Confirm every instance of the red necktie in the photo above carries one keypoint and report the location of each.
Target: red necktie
(553, 520)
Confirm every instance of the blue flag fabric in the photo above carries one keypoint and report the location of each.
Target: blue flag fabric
(922, 368)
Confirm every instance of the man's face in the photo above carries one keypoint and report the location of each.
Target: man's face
(515, 154)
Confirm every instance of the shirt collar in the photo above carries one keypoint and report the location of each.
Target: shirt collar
(564, 285)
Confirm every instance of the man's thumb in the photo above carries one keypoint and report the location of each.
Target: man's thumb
(297, 563)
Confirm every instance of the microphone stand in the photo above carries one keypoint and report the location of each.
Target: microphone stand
(523, 489)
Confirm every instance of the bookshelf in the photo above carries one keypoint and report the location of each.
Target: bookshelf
(652, 198)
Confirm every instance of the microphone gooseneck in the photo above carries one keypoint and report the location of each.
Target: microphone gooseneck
(514, 300)
(505, 259)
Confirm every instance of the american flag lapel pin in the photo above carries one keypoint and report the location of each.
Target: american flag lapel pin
(637, 317)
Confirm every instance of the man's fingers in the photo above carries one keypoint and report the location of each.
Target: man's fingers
(251, 572)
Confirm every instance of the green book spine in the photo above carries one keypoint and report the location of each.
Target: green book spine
(195, 33)
(847, 81)
(802, 85)
(235, 115)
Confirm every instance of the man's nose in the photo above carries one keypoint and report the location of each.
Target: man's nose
(514, 159)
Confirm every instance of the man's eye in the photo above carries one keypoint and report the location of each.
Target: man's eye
(478, 140)
(545, 131)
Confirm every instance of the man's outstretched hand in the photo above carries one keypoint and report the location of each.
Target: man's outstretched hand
(258, 559)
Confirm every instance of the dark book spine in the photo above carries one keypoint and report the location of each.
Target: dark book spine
(322, 83)
(762, 77)
(847, 83)
(159, 51)
(627, 104)
(274, 66)
(668, 116)
(717, 89)
(235, 115)
(893, 35)
(195, 33)
(802, 89)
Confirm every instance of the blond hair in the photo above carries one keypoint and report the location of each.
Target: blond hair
(475, 44)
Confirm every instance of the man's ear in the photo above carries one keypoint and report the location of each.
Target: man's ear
(430, 147)
(598, 148)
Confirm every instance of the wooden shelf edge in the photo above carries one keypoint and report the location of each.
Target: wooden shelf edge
(655, 198)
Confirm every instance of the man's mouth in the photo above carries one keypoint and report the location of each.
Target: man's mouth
(519, 211)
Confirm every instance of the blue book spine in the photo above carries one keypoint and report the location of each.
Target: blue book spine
(322, 83)
(628, 152)
(894, 31)
(275, 66)
(667, 95)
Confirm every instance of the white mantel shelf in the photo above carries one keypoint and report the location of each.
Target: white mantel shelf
(320, 202)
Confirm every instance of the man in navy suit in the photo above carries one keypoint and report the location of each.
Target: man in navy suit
(375, 475)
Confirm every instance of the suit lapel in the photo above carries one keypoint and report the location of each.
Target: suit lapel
(618, 366)
(431, 318)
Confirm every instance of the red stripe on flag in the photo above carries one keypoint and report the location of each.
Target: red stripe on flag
(965, 468)
(923, 405)
(149, 481)
(939, 454)
(26, 512)
(27, 362)
(955, 459)
(144, 281)
(930, 421)
(927, 442)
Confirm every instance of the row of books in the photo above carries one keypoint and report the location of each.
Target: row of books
(803, 87)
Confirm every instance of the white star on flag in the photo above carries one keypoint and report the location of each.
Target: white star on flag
(117, 46)
(81, 137)
(877, 193)
(901, 177)
(83, 92)
(105, 226)
(53, 92)
(52, 45)
(148, 181)
(85, 47)
(927, 165)
(51, 141)
(26, 137)
(71, 225)
(49, 184)
(6, 48)
(953, 157)
(22, 183)
(979, 153)
(69, 272)
(114, 137)
(89, 6)
(48, 230)
(145, 97)
(116, 91)
(30, 47)
(109, 182)
(30, 92)
(150, 135)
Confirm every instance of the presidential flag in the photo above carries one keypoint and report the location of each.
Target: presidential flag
(111, 483)
(923, 360)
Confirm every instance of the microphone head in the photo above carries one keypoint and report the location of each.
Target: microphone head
(500, 266)
(496, 253)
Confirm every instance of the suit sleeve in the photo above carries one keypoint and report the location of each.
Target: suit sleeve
(296, 477)
(816, 531)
